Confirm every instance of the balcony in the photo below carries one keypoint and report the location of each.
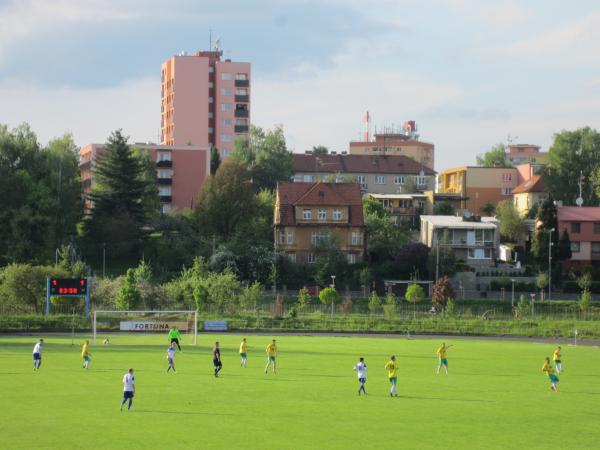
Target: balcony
(241, 113)
(242, 98)
(241, 128)
(164, 163)
(166, 198)
(242, 83)
(165, 180)
(85, 165)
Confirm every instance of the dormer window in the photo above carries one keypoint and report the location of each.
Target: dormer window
(307, 214)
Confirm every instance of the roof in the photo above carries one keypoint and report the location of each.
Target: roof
(291, 194)
(396, 164)
(534, 184)
(575, 213)
(458, 222)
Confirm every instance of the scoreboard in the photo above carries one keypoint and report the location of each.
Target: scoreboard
(68, 286)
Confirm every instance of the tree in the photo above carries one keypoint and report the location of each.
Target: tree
(129, 297)
(329, 296)
(488, 209)
(374, 302)
(443, 209)
(330, 260)
(215, 160)
(573, 154)
(303, 299)
(512, 226)
(320, 150)
(442, 292)
(547, 215)
(564, 246)
(585, 300)
(120, 212)
(266, 156)
(385, 237)
(414, 294)
(541, 281)
(150, 199)
(412, 260)
(496, 157)
(226, 200)
(251, 296)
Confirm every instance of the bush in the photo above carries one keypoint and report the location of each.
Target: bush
(374, 303)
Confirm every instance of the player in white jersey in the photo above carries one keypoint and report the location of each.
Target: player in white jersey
(37, 354)
(128, 389)
(171, 357)
(361, 369)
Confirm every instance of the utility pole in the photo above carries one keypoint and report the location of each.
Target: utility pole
(437, 256)
(550, 244)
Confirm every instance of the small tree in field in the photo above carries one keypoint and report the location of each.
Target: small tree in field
(414, 294)
(585, 300)
(129, 296)
(329, 296)
(541, 282)
(442, 291)
(303, 299)
(374, 302)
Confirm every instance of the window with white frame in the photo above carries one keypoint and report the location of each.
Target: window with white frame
(211, 69)
(420, 181)
(361, 179)
(210, 115)
(292, 257)
(241, 76)
(337, 214)
(480, 253)
(241, 91)
(319, 237)
(164, 190)
(351, 258)
(322, 214)
(387, 203)
(309, 178)
(226, 137)
(290, 237)
(307, 214)
(399, 179)
(506, 191)
(282, 236)
(211, 99)
(356, 238)
(164, 173)
(226, 92)
(379, 179)
(226, 106)
(165, 208)
(225, 76)
(163, 156)
(575, 247)
(506, 177)
(311, 258)
(227, 122)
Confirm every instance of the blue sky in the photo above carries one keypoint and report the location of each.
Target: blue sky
(469, 72)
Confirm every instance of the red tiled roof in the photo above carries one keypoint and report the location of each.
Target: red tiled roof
(396, 164)
(577, 214)
(290, 194)
(534, 184)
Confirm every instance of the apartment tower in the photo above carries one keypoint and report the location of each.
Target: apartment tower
(205, 101)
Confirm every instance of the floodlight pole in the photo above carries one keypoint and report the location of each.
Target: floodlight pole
(47, 295)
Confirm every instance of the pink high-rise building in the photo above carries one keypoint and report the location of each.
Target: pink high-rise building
(205, 101)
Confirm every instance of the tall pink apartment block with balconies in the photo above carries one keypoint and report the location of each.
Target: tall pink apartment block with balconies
(205, 101)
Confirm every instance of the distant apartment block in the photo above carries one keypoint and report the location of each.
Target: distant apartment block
(404, 142)
(376, 174)
(180, 171)
(205, 101)
(474, 240)
(526, 153)
(583, 226)
(308, 215)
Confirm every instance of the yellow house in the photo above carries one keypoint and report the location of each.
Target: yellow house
(528, 194)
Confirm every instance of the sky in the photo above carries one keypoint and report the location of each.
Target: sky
(470, 72)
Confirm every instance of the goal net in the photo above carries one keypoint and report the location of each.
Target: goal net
(105, 322)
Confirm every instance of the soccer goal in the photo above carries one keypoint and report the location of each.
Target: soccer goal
(146, 322)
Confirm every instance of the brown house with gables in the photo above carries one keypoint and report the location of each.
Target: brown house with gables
(309, 214)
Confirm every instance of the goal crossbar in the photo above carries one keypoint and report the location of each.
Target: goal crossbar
(106, 311)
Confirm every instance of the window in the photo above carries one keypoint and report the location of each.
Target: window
(225, 76)
(165, 208)
(356, 240)
(399, 179)
(227, 122)
(292, 257)
(482, 236)
(307, 214)
(337, 214)
(210, 115)
(351, 258)
(322, 214)
(309, 178)
(226, 92)
(210, 130)
(290, 237)
(241, 76)
(339, 179)
(318, 237)
(241, 122)
(211, 69)
(404, 204)
(281, 236)
(311, 258)
(575, 247)
(505, 191)
(210, 84)
(164, 173)
(379, 179)
(226, 106)
(211, 100)
(506, 177)
(241, 91)
(361, 179)
(225, 137)
(480, 253)
(226, 152)
(597, 227)
(163, 156)
(596, 248)
(420, 181)
(387, 203)
(164, 190)
(575, 227)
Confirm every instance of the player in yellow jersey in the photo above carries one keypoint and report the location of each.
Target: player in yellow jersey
(442, 360)
(85, 353)
(557, 360)
(271, 356)
(392, 370)
(549, 370)
(244, 353)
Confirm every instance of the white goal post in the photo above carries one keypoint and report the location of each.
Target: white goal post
(149, 321)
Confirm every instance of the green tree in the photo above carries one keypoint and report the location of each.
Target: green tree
(488, 209)
(330, 260)
(320, 150)
(374, 302)
(385, 237)
(585, 301)
(443, 209)
(496, 157)
(547, 215)
(391, 307)
(215, 160)
(573, 154)
(414, 294)
(564, 246)
(512, 225)
(303, 299)
(251, 296)
(266, 156)
(541, 281)
(119, 215)
(150, 199)
(329, 296)
(129, 297)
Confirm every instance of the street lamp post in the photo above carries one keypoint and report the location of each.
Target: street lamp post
(333, 287)
(550, 244)
(512, 295)
(532, 303)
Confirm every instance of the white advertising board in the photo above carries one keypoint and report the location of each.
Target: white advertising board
(152, 326)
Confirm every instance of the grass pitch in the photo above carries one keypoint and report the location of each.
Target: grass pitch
(494, 398)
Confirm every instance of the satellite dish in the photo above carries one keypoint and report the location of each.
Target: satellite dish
(579, 201)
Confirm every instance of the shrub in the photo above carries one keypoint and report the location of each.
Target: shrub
(374, 303)
(303, 299)
(442, 291)
(585, 300)
(450, 308)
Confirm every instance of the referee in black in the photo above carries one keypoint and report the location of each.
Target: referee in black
(217, 359)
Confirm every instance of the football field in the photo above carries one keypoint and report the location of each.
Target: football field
(495, 396)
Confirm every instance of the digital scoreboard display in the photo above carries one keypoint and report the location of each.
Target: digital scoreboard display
(68, 286)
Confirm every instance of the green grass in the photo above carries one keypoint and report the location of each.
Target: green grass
(495, 396)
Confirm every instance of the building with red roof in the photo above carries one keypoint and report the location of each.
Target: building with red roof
(583, 226)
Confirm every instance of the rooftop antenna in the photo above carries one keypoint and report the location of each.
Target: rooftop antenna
(210, 38)
(218, 44)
